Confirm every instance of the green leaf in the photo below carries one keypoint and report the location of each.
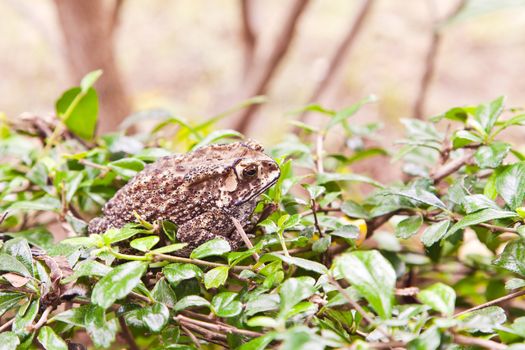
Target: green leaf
(294, 290)
(191, 301)
(323, 178)
(314, 191)
(510, 184)
(9, 300)
(79, 111)
(118, 283)
(101, 330)
(218, 135)
(491, 156)
(9, 263)
(90, 268)
(354, 210)
(303, 263)
(50, 340)
(225, 305)
(439, 297)
(19, 249)
(408, 227)
(144, 244)
(346, 113)
(216, 277)
(260, 343)
(462, 138)
(484, 320)
(477, 202)
(89, 80)
(488, 113)
(114, 235)
(127, 167)
(170, 248)
(372, 276)
(179, 272)
(217, 246)
(421, 195)
(513, 257)
(163, 293)
(24, 318)
(479, 217)
(153, 318)
(45, 203)
(428, 340)
(435, 233)
(514, 283)
(261, 303)
(8, 341)
(346, 231)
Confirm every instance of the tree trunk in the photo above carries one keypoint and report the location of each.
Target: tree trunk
(87, 28)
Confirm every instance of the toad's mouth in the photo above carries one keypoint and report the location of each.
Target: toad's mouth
(258, 193)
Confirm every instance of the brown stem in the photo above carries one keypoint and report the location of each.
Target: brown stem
(42, 320)
(451, 166)
(7, 325)
(430, 63)
(192, 336)
(262, 81)
(484, 343)
(245, 238)
(358, 307)
(173, 258)
(126, 333)
(249, 38)
(493, 302)
(219, 327)
(342, 51)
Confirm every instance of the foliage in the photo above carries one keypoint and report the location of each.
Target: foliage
(344, 261)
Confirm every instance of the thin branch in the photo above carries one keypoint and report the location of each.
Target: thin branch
(43, 319)
(160, 257)
(249, 39)
(219, 327)
(94, 165)
(192, 337)
(358, 308)
(245, 238)
(493, 302)
(342, 51)
(7, 325)
(262, 81)
(126, 333)
(451, 166)
(430, 61)
(2, 218)
(484, 343)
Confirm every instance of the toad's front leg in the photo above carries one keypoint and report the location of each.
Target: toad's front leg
(207, 226)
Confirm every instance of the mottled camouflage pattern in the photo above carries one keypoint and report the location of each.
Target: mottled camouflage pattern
(199, 191)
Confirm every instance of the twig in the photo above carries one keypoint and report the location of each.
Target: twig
(219, 327)
(484, 343)
(210, 336)
(42, 320)
(451, 166)
(2, 218)
(493, 302)
(180, 259)
(342, 51)
(94, 165)
(262, 81)
(430, 61)
(316, 221)
(244, 237)
(358, 308)
(192, 336)
(249, 38)
(7, 325)
(126, 333)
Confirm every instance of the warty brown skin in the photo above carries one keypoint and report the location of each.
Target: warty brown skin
(199, 191)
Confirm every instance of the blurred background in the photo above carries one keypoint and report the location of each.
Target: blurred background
(197, 58)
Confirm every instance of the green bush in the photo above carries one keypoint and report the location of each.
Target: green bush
(442, 266)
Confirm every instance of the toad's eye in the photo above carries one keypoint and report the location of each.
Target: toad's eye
(250, 171)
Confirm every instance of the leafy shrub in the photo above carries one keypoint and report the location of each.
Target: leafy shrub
(444, 248)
